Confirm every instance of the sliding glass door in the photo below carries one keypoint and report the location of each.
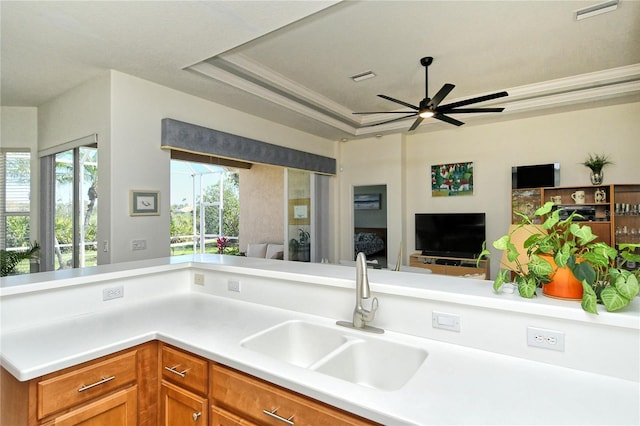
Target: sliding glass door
(75, 210)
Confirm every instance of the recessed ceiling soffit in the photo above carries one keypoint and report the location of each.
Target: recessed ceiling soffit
(239, 71)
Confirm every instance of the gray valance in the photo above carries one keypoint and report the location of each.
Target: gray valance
(197, 139)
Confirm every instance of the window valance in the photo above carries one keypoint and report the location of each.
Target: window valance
(181, 136)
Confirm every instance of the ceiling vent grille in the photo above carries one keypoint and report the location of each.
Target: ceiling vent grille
(597, 9)
(363, 76)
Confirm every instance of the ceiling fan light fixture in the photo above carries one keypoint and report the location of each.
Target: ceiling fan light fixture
(598, 9)
(426, 114)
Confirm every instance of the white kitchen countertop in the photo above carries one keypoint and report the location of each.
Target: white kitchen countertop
(455, 385)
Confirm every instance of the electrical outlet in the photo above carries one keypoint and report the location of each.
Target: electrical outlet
(113, 293)
(138, 245)
(545, 339)
(233, 285)
(198, 279)
(445, 321)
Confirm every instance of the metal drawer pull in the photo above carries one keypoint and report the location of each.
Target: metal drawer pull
(174, 371)
(275, 416)
(98, 383)
(196, 416)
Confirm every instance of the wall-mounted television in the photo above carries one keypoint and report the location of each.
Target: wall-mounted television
(535, 176)
(450, 234)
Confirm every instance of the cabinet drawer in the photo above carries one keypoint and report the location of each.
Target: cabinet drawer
(263, 403)
(119, 408)
(82, 384)
(184, 369)
(220, 417)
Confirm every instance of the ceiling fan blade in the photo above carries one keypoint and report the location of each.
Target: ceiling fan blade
(449, 120)
(391, 121)
(416, 123)
(446, 108)
(385, 112)
(474, 110)
(399, 102)
(442, 93)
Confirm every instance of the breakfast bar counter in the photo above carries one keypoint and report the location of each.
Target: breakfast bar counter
(478, 375)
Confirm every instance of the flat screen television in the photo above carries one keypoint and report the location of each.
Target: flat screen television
(450, 234)
(535, 176)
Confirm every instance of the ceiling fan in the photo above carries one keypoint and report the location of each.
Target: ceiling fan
(430, 107)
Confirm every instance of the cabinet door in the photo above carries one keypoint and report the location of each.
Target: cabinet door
(119, 408)
(179, 407)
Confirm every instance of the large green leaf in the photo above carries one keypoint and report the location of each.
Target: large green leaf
(544, 209)
(504, 276)
(502, 243)
(583, 233)
(589, 299)
(562, 256)
(527, 287)
(540, 267)
(613, 300)
(627, 285)
(583, 271)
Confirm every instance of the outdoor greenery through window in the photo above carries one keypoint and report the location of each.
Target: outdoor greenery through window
(76, 217)
(204, 206)
(15, 204)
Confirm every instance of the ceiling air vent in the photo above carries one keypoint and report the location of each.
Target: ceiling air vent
(597, 9)
(362, 76)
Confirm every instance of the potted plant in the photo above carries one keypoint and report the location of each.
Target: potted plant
(10, 259)
(598, 267)
(596, 163)
(304, 249)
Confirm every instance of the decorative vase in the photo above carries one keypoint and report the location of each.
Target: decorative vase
(596, 177)
(563, 285)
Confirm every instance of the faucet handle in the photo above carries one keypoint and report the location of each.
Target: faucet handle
(369, 314)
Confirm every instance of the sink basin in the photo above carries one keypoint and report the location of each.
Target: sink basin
(296, 342)
(374, 363)
(352, 356)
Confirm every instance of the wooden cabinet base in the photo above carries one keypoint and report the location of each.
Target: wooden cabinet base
(179, 407)
(258, 402)
(120, 409)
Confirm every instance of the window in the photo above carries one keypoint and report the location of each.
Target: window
(204, 206)
(15, 203)
(69, 195)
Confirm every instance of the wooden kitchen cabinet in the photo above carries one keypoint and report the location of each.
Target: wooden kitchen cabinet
(118, 408)
(157, 384)
(240, 399)
(118, 389)
(183, 389)
(179, 407)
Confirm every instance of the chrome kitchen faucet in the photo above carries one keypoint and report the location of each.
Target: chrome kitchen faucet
(361, 315)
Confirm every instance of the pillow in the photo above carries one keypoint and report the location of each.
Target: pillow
(257, 250)
(275, 251)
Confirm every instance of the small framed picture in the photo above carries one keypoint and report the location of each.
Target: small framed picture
(144, 203)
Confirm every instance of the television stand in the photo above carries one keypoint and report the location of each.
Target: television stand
(454, 266)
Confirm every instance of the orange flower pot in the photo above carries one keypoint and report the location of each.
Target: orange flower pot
(563, 285)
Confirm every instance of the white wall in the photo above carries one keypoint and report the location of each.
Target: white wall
(371, 161)
(75, 114)
(566, 138)
(137, 108)
(403, 162)
(19, 130)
